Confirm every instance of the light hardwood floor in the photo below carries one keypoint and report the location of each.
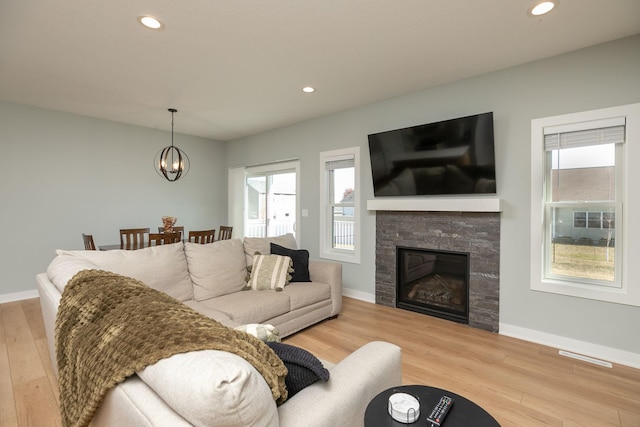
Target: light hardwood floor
(520, 383)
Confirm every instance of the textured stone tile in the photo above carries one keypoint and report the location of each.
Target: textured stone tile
(476, 233)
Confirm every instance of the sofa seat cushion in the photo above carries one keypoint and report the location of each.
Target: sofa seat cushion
(262, 245)
(163, 267)
(212, 313)
(303, 294)
(251, 306)
(211, 387)
(217, 268)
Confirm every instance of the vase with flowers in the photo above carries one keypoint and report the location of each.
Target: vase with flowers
(168, 222)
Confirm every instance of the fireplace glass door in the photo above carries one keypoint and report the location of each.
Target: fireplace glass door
(433, 282)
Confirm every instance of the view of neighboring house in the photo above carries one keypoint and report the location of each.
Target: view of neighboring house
(579, 226)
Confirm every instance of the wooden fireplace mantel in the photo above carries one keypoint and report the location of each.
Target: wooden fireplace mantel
(457, 204)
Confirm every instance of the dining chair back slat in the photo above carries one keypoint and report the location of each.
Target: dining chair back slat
(89, 245)
(156, 239)
(202, 236)
(132, 238)
(225, 232)
(176, 228)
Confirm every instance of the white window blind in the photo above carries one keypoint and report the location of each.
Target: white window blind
(340, 163)
(610, 131)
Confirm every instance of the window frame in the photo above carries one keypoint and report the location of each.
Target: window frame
(569, 128)
(327, 205)
(628, 292)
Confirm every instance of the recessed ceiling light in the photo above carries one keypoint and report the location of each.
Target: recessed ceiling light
(542, 7)
(308, 89)
(150, 22)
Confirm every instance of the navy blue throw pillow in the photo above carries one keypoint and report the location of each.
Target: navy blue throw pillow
(303, 367)
(300, 258)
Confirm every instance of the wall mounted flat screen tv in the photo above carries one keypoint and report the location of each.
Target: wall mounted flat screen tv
(449, 157)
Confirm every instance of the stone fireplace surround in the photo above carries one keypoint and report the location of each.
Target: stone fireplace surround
(477, 233)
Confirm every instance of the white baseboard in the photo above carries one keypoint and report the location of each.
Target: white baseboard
(575, 346)
(18, 296)
(362, 296)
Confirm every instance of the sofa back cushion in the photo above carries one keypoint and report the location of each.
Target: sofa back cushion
(217, 268)
(64, 267)
(263, 245)
(161, 267)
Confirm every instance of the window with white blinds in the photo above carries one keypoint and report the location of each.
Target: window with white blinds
(583, 182)
(577, 202)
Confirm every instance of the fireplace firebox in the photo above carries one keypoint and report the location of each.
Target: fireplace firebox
(433, 282)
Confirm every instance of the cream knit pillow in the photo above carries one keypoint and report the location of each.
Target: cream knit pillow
(270, 272)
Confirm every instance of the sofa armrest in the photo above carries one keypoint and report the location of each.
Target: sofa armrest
(49, 301)
(133, 403)
(329, 272)
(353, 383)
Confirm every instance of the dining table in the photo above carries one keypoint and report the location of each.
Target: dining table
(129, 247)
(132, 246)
(125, 246)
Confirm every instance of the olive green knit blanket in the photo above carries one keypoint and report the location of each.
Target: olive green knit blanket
(110, 326)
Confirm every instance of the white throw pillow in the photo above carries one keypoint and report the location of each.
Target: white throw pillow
(265, 332)
(216, 268)
(263, 245)
(161, 267)
(211, 387)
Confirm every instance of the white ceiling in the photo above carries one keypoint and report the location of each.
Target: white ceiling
(235, 68)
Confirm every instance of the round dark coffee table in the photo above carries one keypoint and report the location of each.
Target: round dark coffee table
(463, 413)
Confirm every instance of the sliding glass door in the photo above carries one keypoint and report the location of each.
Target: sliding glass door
(271, 200)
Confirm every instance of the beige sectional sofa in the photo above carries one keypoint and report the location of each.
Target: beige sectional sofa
(214, 388)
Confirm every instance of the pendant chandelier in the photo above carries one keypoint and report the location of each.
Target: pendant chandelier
(171, 162)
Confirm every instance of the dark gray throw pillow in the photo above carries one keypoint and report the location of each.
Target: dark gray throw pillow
(303, 367)
(300, 258)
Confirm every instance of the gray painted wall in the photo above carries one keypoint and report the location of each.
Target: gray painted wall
(592, 78)
(47, 191)
(64, 174)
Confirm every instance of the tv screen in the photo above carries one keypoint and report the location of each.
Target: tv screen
(449, 157)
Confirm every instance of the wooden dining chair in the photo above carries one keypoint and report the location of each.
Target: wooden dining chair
(202, 236)
(132, 238)
(89, 245)
(225, 232)
(156, 239)
(178, 228)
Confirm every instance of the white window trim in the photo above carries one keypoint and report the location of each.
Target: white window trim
(326, 249)
(629, 292)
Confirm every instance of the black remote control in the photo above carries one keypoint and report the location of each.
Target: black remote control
(440, 411)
